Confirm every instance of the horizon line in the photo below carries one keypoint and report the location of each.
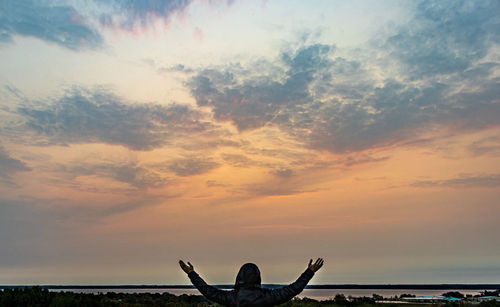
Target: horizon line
(405, 286)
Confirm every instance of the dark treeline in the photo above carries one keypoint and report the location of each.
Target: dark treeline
(340, 286)
(39, 297)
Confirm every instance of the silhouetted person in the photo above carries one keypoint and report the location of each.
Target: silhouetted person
(247, 289)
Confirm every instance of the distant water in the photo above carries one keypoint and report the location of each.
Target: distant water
(317, 294)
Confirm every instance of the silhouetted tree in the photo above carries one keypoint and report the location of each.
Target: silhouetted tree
(490, 293)
(377, 297)
(455, 294)
(340, 299)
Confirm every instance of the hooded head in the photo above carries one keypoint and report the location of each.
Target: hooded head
(248, 277)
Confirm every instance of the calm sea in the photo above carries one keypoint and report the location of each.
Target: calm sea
(317, 294)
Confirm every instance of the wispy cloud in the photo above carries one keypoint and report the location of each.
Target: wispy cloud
(9, 165)
(273, 190)
(281, 227)
(213, 183)
(174, 68)
(485, 146)
(130, 173)
(283, 172)
(192, 166)
(237, 160)
(464, 181)
(130, 14)
(355, 159)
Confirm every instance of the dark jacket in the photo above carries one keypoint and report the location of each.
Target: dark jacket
(247, 289)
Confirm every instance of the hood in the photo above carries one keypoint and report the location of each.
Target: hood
(248, 277)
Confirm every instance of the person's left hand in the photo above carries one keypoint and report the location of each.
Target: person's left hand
(186, 268)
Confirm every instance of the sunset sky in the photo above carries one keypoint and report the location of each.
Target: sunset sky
(137, 133)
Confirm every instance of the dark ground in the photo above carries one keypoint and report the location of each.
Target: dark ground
(36, 296)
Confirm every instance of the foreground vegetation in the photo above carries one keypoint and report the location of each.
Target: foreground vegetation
(38, 297)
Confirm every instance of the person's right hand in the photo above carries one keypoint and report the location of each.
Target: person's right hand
(316, 265)
(186, 268)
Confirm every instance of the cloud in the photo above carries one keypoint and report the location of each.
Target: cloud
(297, 100)
(130, 173)
(9, 165)
(254, 102)
(267, 190)
(444, 79)
(485, 146)
(77, 25)
(99, 116)
(277, 168)
(351, 160)
(237, 160)
(284, 172)
(282, 227)
(129, 14)
(162, 68)
(464, 181)
(215, 184)
(209, 143)
(276, 188)
(192, 166)
(58, 23)
(446, 36)
(175, 68)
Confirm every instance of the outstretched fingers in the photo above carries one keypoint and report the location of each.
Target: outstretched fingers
(186, 268)
(317, 264)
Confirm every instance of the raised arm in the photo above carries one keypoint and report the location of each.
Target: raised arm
(213, 294)
(282, 295)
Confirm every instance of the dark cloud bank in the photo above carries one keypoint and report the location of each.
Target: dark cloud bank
(331, 103)
(59, 24)
(83, 115)
(99, 116)
(71, 25)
